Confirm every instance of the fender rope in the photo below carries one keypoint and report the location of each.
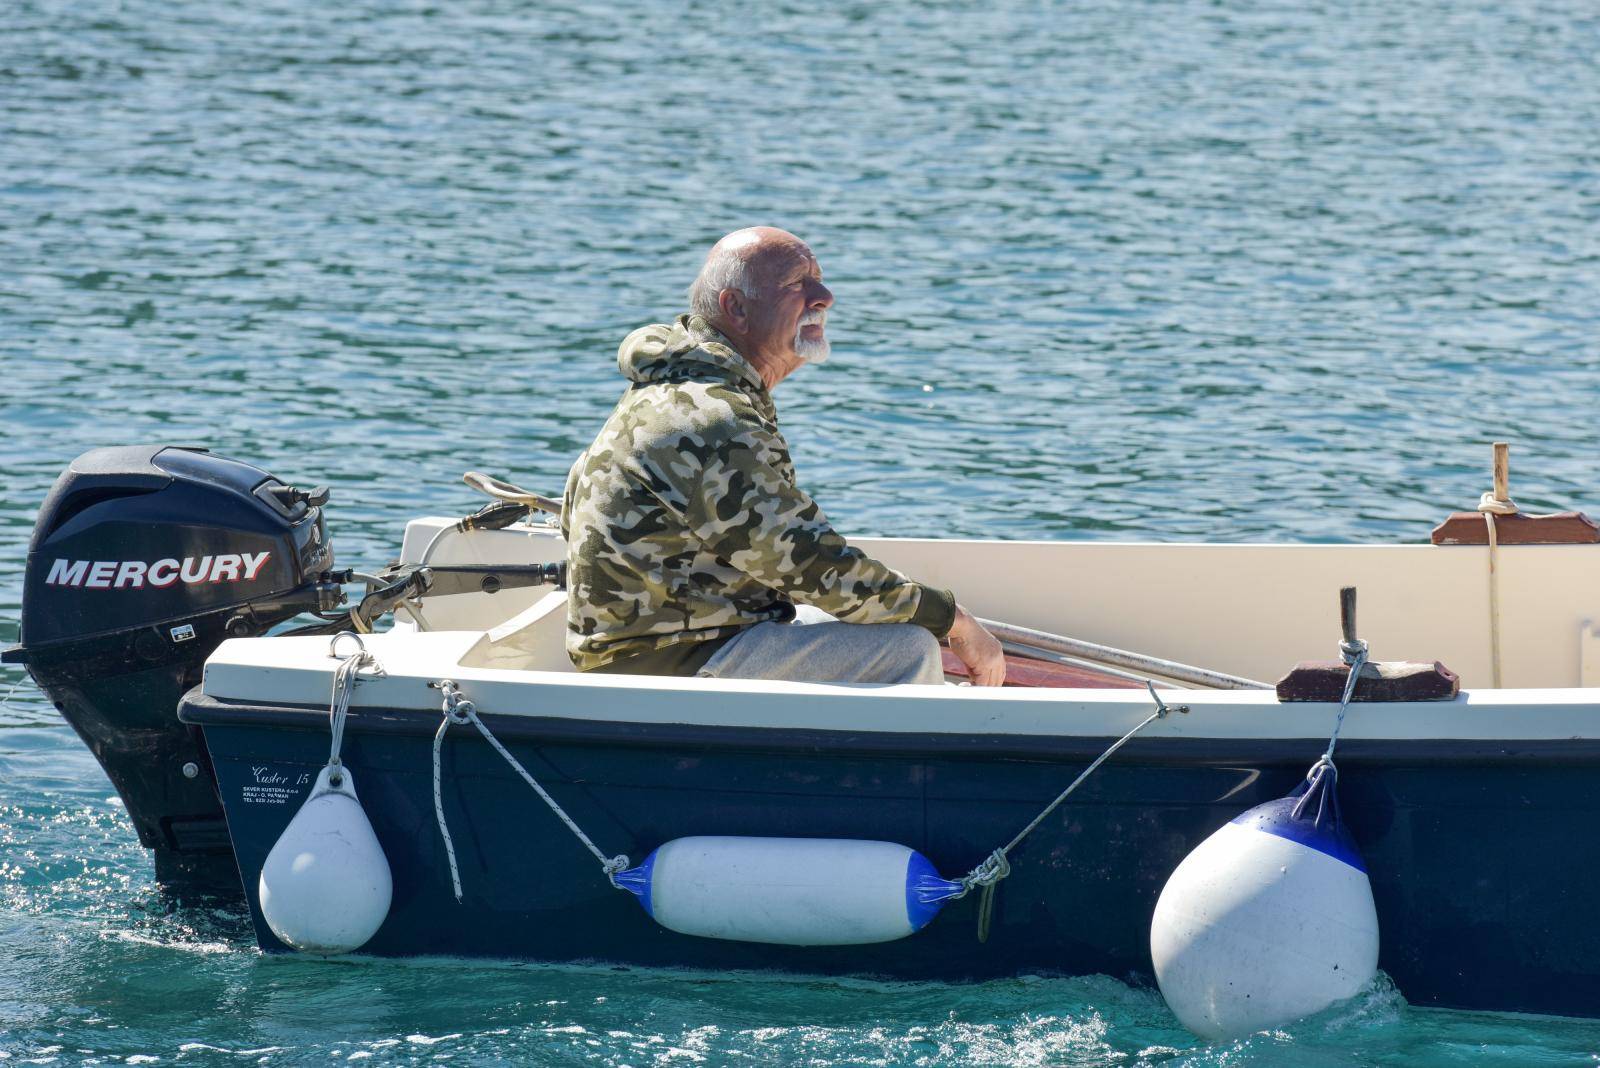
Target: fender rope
(997, 865)
(345, 677)
(1354, 654)
(457, 709)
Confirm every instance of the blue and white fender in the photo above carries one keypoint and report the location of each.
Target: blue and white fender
(789, 891)
(326, 887)
(1268, 920)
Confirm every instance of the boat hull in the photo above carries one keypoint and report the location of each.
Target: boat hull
(1480, 851)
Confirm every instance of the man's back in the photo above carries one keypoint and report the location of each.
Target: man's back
(675, 473)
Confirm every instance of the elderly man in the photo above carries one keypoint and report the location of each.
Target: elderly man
(689, 542)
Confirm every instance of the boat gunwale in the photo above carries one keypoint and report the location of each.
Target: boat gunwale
(205, 711)
(290, 671)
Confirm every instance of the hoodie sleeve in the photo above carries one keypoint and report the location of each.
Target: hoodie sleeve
(742, 502)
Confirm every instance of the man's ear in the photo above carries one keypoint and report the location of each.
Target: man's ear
(732, 303)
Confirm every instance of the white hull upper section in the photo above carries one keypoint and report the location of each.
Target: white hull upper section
(1252, 610)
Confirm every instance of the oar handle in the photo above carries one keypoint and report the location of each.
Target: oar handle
(1167, 669)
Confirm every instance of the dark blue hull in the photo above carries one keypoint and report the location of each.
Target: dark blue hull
(1482, 854)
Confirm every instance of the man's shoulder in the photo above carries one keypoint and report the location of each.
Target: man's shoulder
(700, 405)
(649, 340)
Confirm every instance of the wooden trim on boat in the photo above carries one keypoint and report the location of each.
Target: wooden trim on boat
(1558, 528)
(1325, 680)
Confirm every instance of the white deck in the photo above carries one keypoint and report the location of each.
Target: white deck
(1248, 609)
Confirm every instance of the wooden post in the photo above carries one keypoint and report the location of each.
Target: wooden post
(1324, 680)
(1558, 528)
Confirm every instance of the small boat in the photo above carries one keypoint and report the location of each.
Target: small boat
(149, 601)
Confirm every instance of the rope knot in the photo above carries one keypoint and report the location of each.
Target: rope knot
(1354, 651)
(456, 708)
(1489, 504)
(994, 868)
(615, 867)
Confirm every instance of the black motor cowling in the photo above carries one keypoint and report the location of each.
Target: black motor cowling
(143, 560)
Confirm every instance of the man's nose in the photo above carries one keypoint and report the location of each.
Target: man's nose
(821, 297)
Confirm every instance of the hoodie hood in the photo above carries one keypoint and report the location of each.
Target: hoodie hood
(685, 348)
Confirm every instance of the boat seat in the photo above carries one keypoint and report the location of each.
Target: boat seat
(532, 640)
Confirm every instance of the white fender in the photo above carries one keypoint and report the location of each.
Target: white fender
(325, 887)
(789, 891)
(1268, 920)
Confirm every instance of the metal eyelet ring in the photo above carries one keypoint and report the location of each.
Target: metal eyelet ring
(333, 646)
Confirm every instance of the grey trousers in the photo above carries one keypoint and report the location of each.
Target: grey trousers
(830, 652)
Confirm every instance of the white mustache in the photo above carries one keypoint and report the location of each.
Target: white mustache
(811, 351)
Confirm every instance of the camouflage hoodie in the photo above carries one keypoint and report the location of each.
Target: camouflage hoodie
(684, 523)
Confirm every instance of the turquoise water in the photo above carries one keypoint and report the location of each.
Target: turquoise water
(1165, 270)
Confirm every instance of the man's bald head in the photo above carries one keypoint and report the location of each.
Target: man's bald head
(751, 238)
(762, 288)
(739, 262)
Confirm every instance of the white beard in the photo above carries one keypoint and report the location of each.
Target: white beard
(808, 350)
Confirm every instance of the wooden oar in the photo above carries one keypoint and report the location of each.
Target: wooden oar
(1122, 658)
(1021, 671)
(1138, 679)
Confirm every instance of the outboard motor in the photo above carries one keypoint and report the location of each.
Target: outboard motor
(144, 559)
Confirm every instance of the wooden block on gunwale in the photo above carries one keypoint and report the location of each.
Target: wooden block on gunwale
(1562, 528)
(1324, 680)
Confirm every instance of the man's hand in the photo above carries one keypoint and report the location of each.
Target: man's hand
(978, 649)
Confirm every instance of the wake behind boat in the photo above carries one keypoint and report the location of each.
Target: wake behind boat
(1471, 813)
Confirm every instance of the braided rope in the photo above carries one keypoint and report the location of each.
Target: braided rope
(1355, 654)
(457, 709)
(997, 865)
(1492, 506)
(345, 678)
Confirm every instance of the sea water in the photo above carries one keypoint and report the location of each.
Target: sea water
(1143, 270)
